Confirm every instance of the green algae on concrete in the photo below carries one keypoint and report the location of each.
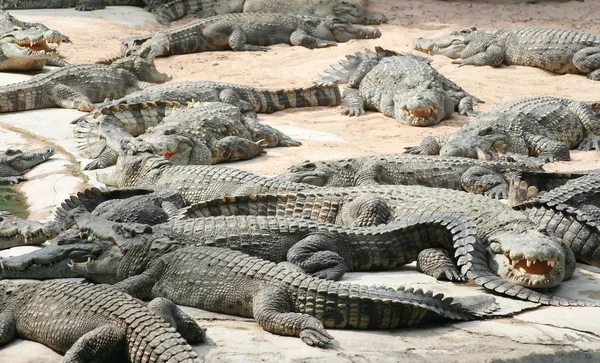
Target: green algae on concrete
(13, 201)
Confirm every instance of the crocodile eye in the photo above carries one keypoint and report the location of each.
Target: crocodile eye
(486, 131)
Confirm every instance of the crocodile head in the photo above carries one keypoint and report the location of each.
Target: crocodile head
(354, 13)
(421, 103)
(16, 162)
(131, 168)
(452, 45)
(531, 258)
(475, 143)
(15, 231)
(343, 31)
(142, 65)
(176, 148)
(319, 173)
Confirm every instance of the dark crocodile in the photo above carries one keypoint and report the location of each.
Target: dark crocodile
(81, 5)
(248, 32)
(79, 86)
(96, 323)
(15, 231)
(542, 127)
(14, 163)
(27, 46)
(201, 133)
(490, 178)
(403, 86)
(343, 9)
(555, 50)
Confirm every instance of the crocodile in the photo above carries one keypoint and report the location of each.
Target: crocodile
(15, 231)
(248, 32)
(14, 163)
(96, 323)
(490, 178)
(197, 133)
(81, 5)
(555, 50)
(79, 86)
(403, 86)
(545, 128)
(343, 9)
(28, 46)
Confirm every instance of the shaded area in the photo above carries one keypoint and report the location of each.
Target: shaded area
(13, 201)
(559, 357)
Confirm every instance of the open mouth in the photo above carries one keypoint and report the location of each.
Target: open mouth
(40, 46)
(536, 270)
(421, 112)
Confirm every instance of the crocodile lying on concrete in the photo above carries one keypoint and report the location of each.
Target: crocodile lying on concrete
(248, 32)
(200, 133)
(26, 46)
(555, 50)
(15, 231)
(81, 5)
(542, 127)
(403, 86)
(476, 176)
(343, 9)
(14, 163)
(96, 323)
(79, 86)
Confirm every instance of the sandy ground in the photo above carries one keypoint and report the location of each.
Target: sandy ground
(566, 334)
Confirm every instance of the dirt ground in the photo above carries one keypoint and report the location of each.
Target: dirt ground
(325, 134)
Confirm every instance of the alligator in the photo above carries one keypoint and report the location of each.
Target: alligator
(489, 178)
(96, 323)
(343, 9)
(246, 98)
(541, 127)
(15, 231)
(198, 133)
(248, 32)
(403, 86)
(81, 5)
(79, 86)
(27, 46)
(555, 50)
(14, 163)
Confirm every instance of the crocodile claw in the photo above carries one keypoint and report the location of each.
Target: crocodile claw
(315, 337)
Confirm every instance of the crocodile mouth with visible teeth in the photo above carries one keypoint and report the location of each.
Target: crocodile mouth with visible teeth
(537, 273)
(421, 112)
(40, 46)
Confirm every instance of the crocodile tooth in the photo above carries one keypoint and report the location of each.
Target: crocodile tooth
(528, 263)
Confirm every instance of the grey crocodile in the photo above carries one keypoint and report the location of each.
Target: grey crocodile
(542, 127)
(555, 50)
(343, 9)
(197, 133)
(96, 323)
(81, 5)
(79, 86)
(27, 46)
(14, 163)
(15, 231)
(248, 32)
(490, 178)
(403, 86)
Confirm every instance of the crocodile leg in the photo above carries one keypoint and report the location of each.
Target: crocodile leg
(58, 62)
(140, 286)
(587, 60)
(438, 263)
(431, 145)
(230, 96)
(316, 254)
(272, 309)
(270, 135)
(547, 150)
(8, 327)
(103, 344)
(356, 105)
(300, 38)
(106, 158)
(89, 5)
(590, 122)
(237, 38)
(361, 71)
(67, 97)
(366, 210)
(185, 325)
(480, 180)
(11, 179)
(233, 147)
(493, 56)
(465, 106)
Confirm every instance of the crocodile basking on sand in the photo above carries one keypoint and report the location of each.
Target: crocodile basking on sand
(555, 50)
(79, 86)
(403, 86)
(248, 32)
(343, 9)
(490, 178)
(27, 46)
(14, 163)
(542, 127)
(201, 133)
(97, 323)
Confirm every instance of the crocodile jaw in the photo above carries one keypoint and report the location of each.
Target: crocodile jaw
(23, 161)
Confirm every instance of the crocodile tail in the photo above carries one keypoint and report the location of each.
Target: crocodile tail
(22, 96)
(353, 306)
(271, 100)
(91, 198)
(177, 9)
(251, 204)
(345, 68)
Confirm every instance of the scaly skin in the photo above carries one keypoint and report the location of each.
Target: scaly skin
(558, 51)
(202, 133)
(343, 9)
(283, 301)
(248, 32)
(476, 176)
(81, 5)
(79, 86)
(542, 127)
(25, 46)
(14, 163)
(15, 231)
(402, 86)
(96, 323)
